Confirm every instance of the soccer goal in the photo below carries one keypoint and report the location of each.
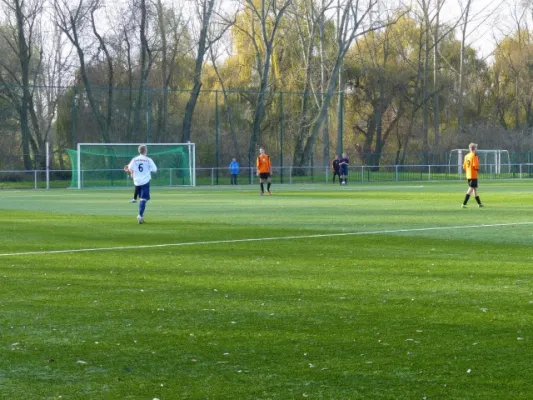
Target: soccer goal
(102, 164)
(491, 161)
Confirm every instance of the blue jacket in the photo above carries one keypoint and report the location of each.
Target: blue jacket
(234, 167)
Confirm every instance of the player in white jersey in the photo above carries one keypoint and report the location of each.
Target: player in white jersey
(142, 167)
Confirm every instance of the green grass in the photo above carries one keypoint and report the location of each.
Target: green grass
(380, 291)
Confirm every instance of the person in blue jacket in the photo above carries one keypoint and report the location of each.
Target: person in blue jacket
(234, 171)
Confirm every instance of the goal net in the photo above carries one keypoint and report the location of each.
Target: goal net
(102, 164)
(491, 161)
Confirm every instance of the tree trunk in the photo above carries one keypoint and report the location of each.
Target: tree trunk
(203, 46)
(323, 83)
(144, 70)
(305, 120)
(68, 24)
(425, 110)
(231, 120)
(259, 109)
(460, 110)
(380, 109)
(163, 111)
(110, 71)
(24, 59)
(436, 110)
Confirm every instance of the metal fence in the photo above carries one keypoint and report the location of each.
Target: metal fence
(222, 123)
(48, 179)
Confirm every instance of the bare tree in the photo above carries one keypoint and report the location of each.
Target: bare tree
(460, 107)
(323, 79)
(73, 21)
(125, 55)
(354, 21)
(229, 111)
(21, 35)
(436, 39)
(262, 29)
(171, 27)
(427, 19)
(109, 60)
(314, 20)
(206, 10)
(147, 58)
(52, 85)
(432, 36)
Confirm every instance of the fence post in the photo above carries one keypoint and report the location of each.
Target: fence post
(281, 135)
(74, 101)
(147, 116)
(47, 165)
(290, 175)
(216, 133)
(340, 117)
(212, 176)
(429, 172)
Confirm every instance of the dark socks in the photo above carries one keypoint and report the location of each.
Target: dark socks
(467, 197)
(268, 186)
(142, 207)
(478, 200)
(262, 188)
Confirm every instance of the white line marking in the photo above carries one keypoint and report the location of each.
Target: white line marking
(322, 235)
(27, 196)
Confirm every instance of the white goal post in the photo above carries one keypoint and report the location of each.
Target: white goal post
(494, 161)
(102, 164)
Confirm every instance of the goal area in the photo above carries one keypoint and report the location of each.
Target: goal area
(491, 161)
(101, 165)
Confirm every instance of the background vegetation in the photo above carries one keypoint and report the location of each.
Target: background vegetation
(384, 82)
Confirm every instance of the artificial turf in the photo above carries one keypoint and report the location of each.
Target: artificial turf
(319, 291)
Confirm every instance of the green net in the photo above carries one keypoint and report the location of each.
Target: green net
(102, 165)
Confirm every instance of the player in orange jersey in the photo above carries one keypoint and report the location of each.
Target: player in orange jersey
(264, 170)
(471, 167)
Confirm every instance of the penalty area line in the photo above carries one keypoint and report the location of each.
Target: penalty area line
(264, 239)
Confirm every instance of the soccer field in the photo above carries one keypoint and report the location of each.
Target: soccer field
(384, 291)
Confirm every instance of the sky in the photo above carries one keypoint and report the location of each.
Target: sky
(489, 22)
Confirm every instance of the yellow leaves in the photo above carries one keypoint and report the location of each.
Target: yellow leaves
(515, 52)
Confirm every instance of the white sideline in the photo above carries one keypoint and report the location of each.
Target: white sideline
(323, 235)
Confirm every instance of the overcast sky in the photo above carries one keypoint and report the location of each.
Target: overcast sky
(489, 21)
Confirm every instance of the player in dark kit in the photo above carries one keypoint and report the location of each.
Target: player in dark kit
(344, 161)
(336, 168)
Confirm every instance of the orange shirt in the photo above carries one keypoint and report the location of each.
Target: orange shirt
(471, 165)
(263, 164)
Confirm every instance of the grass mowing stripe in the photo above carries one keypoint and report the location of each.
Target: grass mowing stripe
(422, 310)
(209, 242)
